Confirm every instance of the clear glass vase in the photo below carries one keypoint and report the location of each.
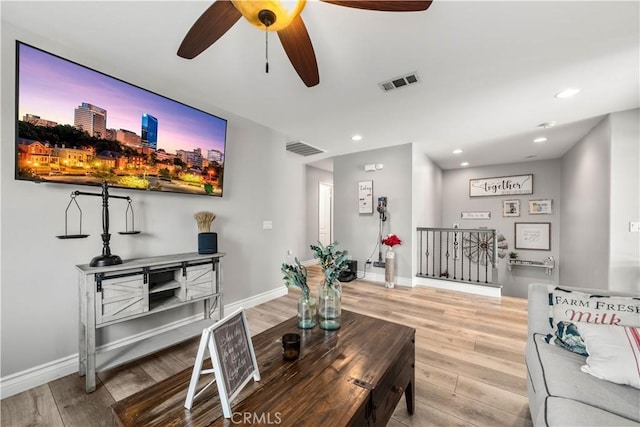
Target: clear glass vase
(329, 305)
(306, 312)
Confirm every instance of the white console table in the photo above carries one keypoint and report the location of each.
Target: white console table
(138, 288)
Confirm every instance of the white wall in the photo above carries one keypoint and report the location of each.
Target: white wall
(624, 268)
(291, 202)
(358, 233)
(314, 176)
(38, 279)
(601, 183)
(546, 185)
(427, 195)
(586, 172)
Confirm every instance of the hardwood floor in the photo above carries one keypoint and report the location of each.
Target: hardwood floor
(469, 361)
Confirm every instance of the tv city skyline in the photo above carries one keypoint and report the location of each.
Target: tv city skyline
(52, 88)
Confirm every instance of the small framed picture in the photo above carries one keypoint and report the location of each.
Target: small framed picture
(511, 208)
(475, 215)
(540, 207)
(533, 235)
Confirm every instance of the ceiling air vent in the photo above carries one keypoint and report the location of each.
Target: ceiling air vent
(303, 149)
(398, 82)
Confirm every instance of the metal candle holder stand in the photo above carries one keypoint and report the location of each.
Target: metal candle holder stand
(107, 258)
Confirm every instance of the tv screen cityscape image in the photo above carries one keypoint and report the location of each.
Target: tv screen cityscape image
(76, 125)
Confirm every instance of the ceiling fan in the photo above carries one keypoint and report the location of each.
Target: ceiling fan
(282, 17)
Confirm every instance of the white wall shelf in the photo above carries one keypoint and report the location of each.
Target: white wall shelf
(548, 264)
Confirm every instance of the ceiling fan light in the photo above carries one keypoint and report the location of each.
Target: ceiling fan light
(285, 12)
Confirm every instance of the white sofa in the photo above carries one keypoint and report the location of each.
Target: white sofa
(559, 393)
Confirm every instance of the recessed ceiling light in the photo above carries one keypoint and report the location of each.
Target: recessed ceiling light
(356, 137)
(566, 93)
(457, 151)
(547, 125)
(541, 139)
(464, 164)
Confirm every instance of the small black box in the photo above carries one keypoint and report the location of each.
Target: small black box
(350, 272)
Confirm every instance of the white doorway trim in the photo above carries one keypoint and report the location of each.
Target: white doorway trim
(325, 213)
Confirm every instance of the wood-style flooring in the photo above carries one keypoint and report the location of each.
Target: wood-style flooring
(469, 361)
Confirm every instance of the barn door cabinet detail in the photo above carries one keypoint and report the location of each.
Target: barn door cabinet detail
(140, 287)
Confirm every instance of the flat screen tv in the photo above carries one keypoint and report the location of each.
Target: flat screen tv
(76, 125)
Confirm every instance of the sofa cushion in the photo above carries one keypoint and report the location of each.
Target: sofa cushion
(555, 373)
(614, 353)
(567, 307)
(564, 412)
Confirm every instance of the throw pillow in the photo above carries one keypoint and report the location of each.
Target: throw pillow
(614, 352)
(567, 307)
(567, 336)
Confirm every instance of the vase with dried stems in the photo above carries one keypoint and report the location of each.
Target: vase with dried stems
(207, 240)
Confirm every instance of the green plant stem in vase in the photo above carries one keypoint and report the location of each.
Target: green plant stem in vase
(295, 276)
(332, 262)
(306, 312)
(329, 305)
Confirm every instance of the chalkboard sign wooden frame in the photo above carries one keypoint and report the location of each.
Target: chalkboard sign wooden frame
(233, 358)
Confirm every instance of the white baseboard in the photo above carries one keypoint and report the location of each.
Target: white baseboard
(256, 299)
(470, 288)
(50, 371)
(38, 375)
(379, 277)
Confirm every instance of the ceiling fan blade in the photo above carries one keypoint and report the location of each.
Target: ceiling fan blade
(384, 6)
(212, 24)
(297, 44)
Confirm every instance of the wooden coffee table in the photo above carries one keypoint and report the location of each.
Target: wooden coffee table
(354, 376)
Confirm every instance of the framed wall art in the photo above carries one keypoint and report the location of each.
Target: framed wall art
(533, 235)
(540, 207)
(511, 208)
(365, 197)
(501, 186)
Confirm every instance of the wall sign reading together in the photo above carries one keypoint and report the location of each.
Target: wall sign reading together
(501, 186)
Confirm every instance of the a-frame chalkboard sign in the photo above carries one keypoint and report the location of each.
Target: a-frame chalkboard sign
(233, 358)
